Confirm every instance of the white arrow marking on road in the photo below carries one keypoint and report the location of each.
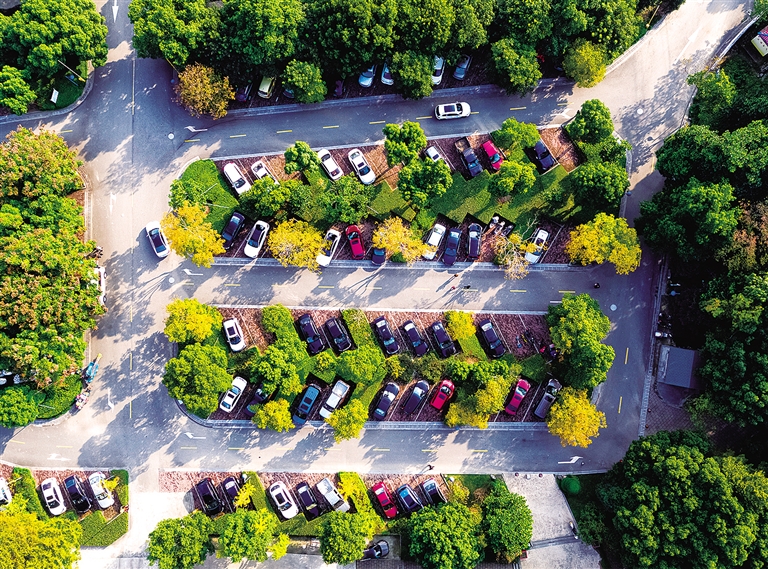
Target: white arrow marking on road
(191, 274)
(193, 129)
(57, 457)
(114, 11)
(573, 460)
(191, 436)
(690, 40)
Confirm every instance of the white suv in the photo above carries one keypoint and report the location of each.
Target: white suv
(332, 496)
(434, 239)
(339, 391)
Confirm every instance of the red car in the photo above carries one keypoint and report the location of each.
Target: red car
(385, 500)
(493, 155)
(355, 242)
(521, 389)
(442, 394)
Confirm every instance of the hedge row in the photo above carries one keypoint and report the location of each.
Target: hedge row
(98, 532)
(24, 484)
(358, 326)
(353, 487)
(122, 488)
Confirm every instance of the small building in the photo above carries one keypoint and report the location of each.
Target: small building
(677, 368)
(760, 41)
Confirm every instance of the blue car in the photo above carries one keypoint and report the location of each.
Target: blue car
(452, 247)
(308, 400)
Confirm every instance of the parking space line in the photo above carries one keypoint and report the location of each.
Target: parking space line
(423, 118)
(284, 131)
(517, 108)
(376, 122)
(332, 126)
(620, 400)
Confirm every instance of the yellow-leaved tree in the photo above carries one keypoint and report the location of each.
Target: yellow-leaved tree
(395, 237)
(204, 92)
(510, 254)
(574, 418)
(191, 236)
(605, 238)
(189, 320)
(296, 243)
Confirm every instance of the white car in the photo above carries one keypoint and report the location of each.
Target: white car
(100, 281)
(339, 391)
(362, 169)
(283, 500)
(437, 72)
(233, 394)
(260, 171)
(256, 239)
(452, 111)
(53, 497)
(329, 164)
(5, 493)
(539, 240)
(366, 77)
(434, 154)
(331, 243)
(103, 496)
(236, 179)
(234, 334)
(386, 75)
(332, 496)
(157, 239)
(434, 239)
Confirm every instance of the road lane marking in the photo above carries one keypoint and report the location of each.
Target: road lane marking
(562, 104)
(376, 122)
(381, 449)
(188, 448)
(286, 448)
(325, 286)
(63, 446)
(130, 318)
(236, 135)
(332, 448)
(284, 131)
(517, 290)
(130, 361)
(130, 409)
(474, 113)
(187, 283)
(567, 291)
(68, 130)
(620, 400)
(236, 448)
(422, 118)
(421, 288)
(626, 356)
(332, 126)
(375, 287)
(192, 140)
(17, 442)
(470, 289)
(429, 450)
(517, 108)
(555, 301)
(231, 284)
(479, 450)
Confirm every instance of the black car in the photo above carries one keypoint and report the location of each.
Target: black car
(542, 156)
(385, 335)
(452, 247)
(386, 399)
(433, 493)
(418, 394)
(409, 501)
(488, 332)
(420, 347)
(444, 342)
(473, 241)
(377, 550)
(232, 228)
(309, 332)
(230, 489)
(208, 496)
(338, 334)
(77, 494)
(261, 395)
(378, 256)
(307, 501)
(308, 400)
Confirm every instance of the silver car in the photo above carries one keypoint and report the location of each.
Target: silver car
(256, 239)
(434, 239)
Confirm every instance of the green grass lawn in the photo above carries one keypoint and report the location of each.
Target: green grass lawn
(219, 198)
(534, 368)
(98, 532)
(471, 346)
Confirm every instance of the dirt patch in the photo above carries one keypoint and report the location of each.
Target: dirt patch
(561, 147)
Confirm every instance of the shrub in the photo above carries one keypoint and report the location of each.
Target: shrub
(460, 324)
(278, 320)
(353, 487)
(430, 367)
(59, 399)
(358, 327)
(24, 484)
(257, 494)
(122, 487)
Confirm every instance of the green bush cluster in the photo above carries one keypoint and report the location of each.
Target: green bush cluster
(122, 488)
(352, 486)
(98, 532)
(60, 399)
(358, 326)
(25, 485)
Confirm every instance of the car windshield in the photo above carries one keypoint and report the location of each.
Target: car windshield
(452, 109)
(354, 235)
(329, 241)
(368, 73)
(255, 238)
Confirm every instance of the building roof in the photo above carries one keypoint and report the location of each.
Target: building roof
(681, 365)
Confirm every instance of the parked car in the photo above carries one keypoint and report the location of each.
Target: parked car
(234, 334)
(261, 395)
(452, 247)
(338, 90)
(233, 394)
(236, 179)
(362, 168)
(438, 66)
(243, 93)
(52, 496)
(338, 334)
(443, 392)
(338, 393)
(367, 76)
(100, 280)
(329, 164)
(419, 345)
(434, 239)
(462, 67)
(5, 493)
(434, 154)
(383, 497)
(550, 394)
(103, 496)
(231, 229)
(385, 335)
(230, 489)
(307, 402)
(387, 397)
(310, 334)
(208, 497)
(330, 244)
(378, 550)
(542, 156)
(378, 256)
(539, 240)
(493, 154)
(491, 337)
(157, 239)
(474, 239)
(267, 87)
(260, 171)
(452, 111)
(283, 500)
(77, 494)
(256, 239)
(417, 396)
(408, 499)
(433, 493)
(308, 501)
(355, 242)
(518, 393)
(386, 75)
(332, 496)
(445, 344)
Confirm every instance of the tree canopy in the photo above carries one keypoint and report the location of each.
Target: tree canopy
(403, 142)
(191, 236)
(446, 537)
(592, 122)
(507, 522)
(343, 536)
(605, 238)
(189, 320)
(197, 376)
(574, 418)
(202, 91)
(296, 243)
(395, 237)
(346, 200)
(513, 133)
(422, 181)
(584, 62)
(248, 534)
(181, 543)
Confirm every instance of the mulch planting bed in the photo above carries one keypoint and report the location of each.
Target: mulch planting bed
(40, 475)
(561, 147)
(185, 480)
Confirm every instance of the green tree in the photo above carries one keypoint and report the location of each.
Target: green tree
(574, 418)
(181, 543)
(189, 320)
(599, 185)
(469, 27)
(17, 406)
(395, 237)
(421, 182)
(513, 133)
(197, 376)
(748, 250)
(191, 236)
(605, 238)
(526, 22)
(186, 191)
(403, 142)
(715, 95)
(473, 409)
(461, 325)
(747, 157)
(300, 157)
(276, 368)
(265, 198)
(15, 93)
(507, 522)
(517, 68)
(447, 537)
(413, 73)
(343, 536)
(364, 365)
(692, 151)
(346, 200)
(424, 27)
(41, 33)
(348, 421)
(248, 534)
(584, 62)
(592, 123)
(275, 415)
(513, 178)
(306, 80)
(296, 243)
(204, 92)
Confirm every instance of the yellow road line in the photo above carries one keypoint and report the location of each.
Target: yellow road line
(130, 318)
(68, 130)
(562, 104)
(555, 301)
(192, 140)
(420, 288)
(429, 450)
(567, 291)
(284, 131)
(517, 108)
(382, 449)
(375, 288)
(626, 356)
(325, 286)
(421, 118)
(17, 442)
(130, 361)
(470, 289)
(331, 448)
(474, 113)
(376, 122)
(231, 284)
(188, 448)
(332, 126)
(517, 290)
(130, 409)
(63, 446)
(236, 448)
(620, 400)
(479, 450)
(236, 135)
